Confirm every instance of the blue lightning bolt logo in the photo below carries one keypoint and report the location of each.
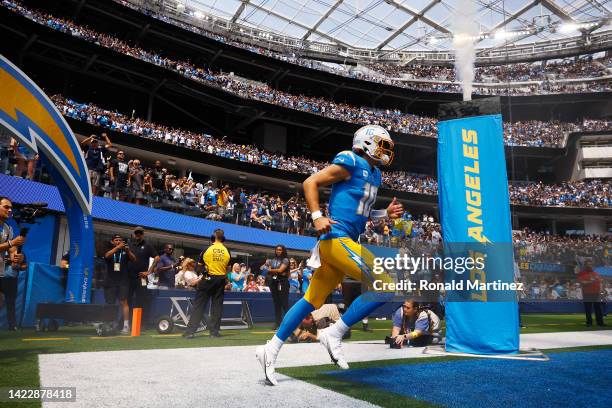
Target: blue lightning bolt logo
(359, 261)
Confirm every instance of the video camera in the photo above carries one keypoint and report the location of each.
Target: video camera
(27, 214)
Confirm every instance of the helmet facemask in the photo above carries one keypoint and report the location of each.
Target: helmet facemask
(380, 150)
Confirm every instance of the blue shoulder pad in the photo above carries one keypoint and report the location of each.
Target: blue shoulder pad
(346, 159)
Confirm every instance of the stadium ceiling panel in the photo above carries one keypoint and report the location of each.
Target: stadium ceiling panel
(408, 25)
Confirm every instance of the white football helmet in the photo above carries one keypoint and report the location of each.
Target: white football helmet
(374, 141)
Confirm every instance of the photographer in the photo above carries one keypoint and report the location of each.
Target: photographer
(138, 270)
(117, 257)
(9, 258)
(414, 325)
(8, 287)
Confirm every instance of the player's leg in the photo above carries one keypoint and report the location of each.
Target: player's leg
(324, 280)
(355, 261)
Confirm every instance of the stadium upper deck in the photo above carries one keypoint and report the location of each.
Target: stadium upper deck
(258, 63)
(569, 76)
(125, 76)
(519, 133)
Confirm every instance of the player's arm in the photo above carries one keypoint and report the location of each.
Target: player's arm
(328, 176)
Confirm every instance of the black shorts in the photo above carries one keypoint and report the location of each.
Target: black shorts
(110, 293)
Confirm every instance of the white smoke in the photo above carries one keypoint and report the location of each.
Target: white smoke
(465, 31)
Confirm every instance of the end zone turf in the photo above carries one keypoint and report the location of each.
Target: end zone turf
(577, 379)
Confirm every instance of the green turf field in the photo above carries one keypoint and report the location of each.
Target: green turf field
(19, 350)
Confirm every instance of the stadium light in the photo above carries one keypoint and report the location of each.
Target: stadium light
(568, 28)
(500, 34)
(198, 15)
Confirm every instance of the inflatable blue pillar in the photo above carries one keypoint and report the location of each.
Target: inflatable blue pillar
(27, 113)
(475, 212)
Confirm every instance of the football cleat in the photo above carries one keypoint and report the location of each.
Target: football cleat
(267, 363)
(333, 345)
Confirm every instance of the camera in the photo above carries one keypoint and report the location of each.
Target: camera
(28, 213)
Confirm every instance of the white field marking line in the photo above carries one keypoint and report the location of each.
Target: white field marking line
(47, 339)
(526, 355)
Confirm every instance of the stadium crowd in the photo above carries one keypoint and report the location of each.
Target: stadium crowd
(591, 193)
(561, 256)
(531, 133)
(571, 68)
(391, 73)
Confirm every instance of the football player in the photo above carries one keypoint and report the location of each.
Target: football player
(355, 178)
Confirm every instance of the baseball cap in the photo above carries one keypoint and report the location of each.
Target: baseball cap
(116, 236)
(139, 229)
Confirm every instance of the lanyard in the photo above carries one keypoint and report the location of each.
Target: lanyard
(115, 257)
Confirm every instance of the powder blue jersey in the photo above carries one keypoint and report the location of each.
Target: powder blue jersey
(352, 199)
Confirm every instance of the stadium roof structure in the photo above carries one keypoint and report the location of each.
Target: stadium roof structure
(408, 25)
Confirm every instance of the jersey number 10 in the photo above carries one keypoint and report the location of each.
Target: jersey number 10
(367, 200)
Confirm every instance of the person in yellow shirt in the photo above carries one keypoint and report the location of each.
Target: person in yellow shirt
(214, 261)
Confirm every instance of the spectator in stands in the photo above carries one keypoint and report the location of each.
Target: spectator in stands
(278, 281)
(261, 284)
(415, 325)
(118, 257)
(294, 276)
(187, 276)
(251, 285)
(119, 176)
(136, 181)
(237, 278)
(95, 159)
(591, 283)
(591, 193)
(6, 150)
(158, 175)
(26, 159)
